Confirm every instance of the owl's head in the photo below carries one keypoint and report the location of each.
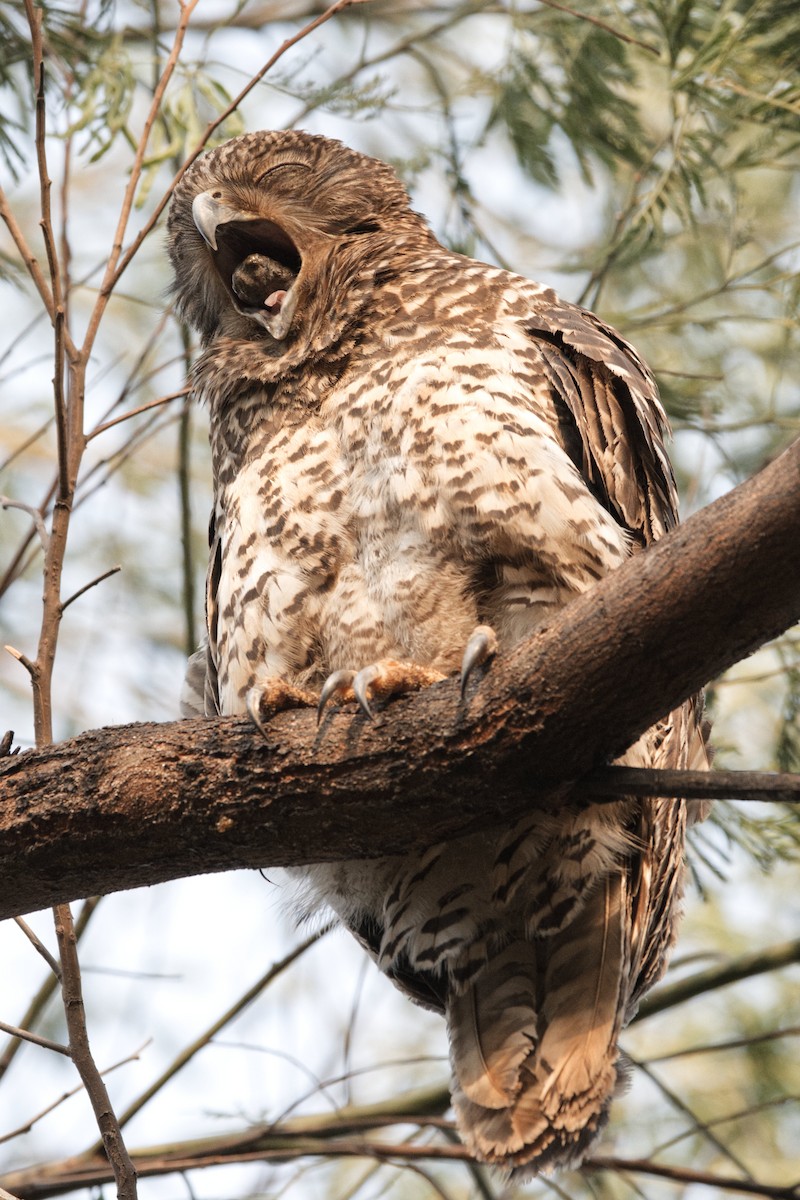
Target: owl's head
(272, 230)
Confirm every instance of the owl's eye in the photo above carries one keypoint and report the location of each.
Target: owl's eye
(280, 167)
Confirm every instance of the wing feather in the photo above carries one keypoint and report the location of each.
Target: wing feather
(608, 406)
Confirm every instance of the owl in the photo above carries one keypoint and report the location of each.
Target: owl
(417, 459)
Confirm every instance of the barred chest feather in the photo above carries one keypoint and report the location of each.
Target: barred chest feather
(420, 499)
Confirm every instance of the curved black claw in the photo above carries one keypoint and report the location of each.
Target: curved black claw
(479, 649)
(338, 683)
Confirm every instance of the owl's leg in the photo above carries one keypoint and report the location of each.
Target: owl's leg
(380, 680)
(479, 649)
(273, 696)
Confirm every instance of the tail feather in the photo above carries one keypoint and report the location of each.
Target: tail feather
(533, 1080)
(492, 1028)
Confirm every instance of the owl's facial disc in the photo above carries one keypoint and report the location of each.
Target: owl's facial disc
(255, 259)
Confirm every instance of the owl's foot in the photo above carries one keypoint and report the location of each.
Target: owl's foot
(479, 649)
(274, 696)
(379, 681)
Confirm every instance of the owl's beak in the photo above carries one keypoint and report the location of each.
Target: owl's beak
(237, 237)
(209, 212)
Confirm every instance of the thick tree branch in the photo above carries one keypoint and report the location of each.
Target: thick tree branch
(137, 805)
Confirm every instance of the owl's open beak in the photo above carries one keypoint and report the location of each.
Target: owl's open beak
(235, 237)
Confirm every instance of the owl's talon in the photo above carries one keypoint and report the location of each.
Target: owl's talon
(252, 704)
(479, 649)
(339, 683)
(361, 685)
(264, 701)
(379, 681)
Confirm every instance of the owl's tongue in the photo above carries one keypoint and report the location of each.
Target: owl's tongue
(274, 301)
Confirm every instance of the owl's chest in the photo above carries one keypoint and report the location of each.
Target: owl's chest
(363, 466)
(334, 541)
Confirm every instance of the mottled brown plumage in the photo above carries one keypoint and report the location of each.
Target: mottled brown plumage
(406, 445)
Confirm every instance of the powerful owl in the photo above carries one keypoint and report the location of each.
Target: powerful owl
(418, 458)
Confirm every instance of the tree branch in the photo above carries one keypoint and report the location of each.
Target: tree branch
(119, 1160)
(345, 1133)
(136, 805)
(760, 962)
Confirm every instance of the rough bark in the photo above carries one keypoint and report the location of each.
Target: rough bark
(136, 805)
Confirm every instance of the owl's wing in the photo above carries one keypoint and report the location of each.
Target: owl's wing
(610, 419)
(200, 692)
(193, 692)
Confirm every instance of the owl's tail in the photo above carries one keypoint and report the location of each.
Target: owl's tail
(534, 1041)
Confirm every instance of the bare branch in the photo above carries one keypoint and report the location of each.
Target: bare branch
(337, 1135)
(34, 514)
(80, 1052)
(685, 1175)
(39, 946)
(762, 786)
(29, 258)
(617, 33)
(29, 666)
(31, 1121)
(18, 561)
(195, 1046)
(26, 1036)
(93, 583)
(39, 1001)
(57, 314)
(785, 954)
(134, 412)
(114, 268)
(743, 1043)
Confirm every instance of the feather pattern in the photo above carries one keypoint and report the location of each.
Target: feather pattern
(407, 444)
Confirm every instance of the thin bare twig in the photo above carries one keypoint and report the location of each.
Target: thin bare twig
(52, 963)
(617, 33)
(770, 959)
(80, 1052)
(46, 222)
(685, 1175)
(26, 1036)
(29, 666)
(34, 514)
(743, 1043)
(134, 412)
(39, 1001)
(28, 1125)
(19, 562)
(115, 265)
(92, 583)
(194, 1047)
(322, 1138)
(698, 1126)
(726, 1119)
(28, 257)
